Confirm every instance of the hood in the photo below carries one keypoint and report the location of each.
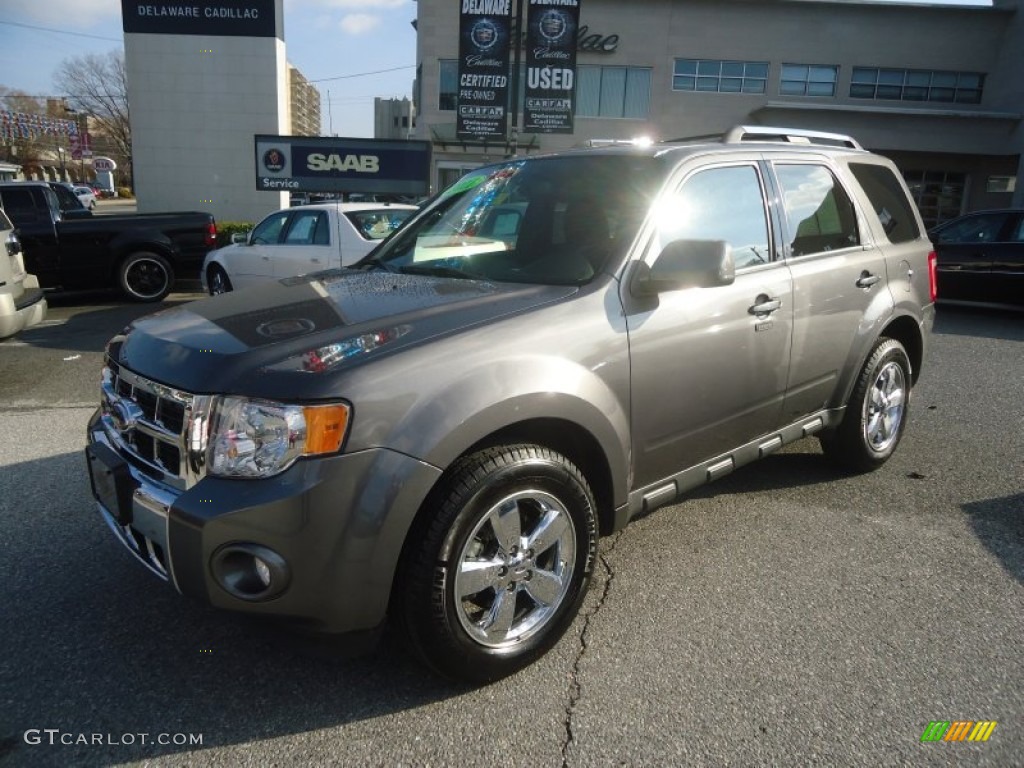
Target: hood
(291, 339)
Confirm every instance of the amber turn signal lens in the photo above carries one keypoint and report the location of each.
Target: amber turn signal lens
(325, 428)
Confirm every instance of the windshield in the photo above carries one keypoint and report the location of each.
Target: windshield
(555, 221)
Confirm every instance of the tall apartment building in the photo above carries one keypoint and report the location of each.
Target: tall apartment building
(304, 103)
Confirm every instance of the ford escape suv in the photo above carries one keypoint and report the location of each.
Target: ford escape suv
(552, 347)
(22, 303)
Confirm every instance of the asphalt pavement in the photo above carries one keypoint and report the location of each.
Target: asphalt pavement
(782, 616)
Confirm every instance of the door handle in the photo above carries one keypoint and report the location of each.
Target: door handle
(765, 305)
(866, 280)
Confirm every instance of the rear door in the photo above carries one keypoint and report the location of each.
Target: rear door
(709, 365)
(968, 249)
(840, 283)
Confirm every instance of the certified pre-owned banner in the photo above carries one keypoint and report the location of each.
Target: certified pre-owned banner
(315, 164)
(551, 65)
(484, 27)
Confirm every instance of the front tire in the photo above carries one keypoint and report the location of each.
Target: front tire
(494, 578)
(876, 415)
(145, 276)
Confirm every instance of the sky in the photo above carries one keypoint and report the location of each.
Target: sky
(323, 38)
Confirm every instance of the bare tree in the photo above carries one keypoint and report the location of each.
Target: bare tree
(97, 86)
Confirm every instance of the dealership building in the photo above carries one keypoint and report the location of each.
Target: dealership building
(938, 88)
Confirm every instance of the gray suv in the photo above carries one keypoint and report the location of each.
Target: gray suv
(551, 347)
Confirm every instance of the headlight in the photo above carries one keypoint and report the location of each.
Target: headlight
(257, 438)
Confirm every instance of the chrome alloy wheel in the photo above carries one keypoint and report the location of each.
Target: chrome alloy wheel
(218, 282)
(884, 407)
(515, 569)
(146, 278)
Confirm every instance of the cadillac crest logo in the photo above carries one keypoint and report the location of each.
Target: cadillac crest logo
(552, 26)
(273, 160)
(484, 34)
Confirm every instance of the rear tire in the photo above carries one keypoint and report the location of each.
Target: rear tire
(145, 276)
(217, 280)
(493, 579)
(876, 415)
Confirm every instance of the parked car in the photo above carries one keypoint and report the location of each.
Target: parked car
(22, 303)
(86, 196)
(981, 257)
(293, 242)
(556, 345)
(140, 254)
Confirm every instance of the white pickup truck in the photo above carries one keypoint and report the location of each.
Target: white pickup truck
(295, 241)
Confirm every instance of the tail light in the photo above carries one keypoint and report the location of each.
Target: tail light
(211, 233)
(933, 287)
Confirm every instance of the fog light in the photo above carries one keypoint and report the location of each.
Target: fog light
(250, 571)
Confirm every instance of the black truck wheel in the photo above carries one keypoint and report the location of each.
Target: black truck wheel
(496, 575)
(145, 276)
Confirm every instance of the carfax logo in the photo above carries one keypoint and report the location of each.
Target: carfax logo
(552, 26)
(484, 34)
(959, 730)
(273, 160)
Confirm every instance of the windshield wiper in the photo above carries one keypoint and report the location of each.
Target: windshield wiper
(371, 264)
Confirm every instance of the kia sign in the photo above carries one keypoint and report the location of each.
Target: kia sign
(104, 164)
(368, 166)
(484, 33)
(551, 66)
(249, 18)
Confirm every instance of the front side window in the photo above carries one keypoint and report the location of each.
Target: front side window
(553, 221)
(268, 231)
(820, 214)
(720, 204)
(716, 76)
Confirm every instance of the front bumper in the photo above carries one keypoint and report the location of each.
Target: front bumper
(339, 524)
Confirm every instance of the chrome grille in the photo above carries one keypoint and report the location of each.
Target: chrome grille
(150, 424)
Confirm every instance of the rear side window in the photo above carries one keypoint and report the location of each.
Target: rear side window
(303, 228)
(890, 202)
(820, 214)
(19, 204)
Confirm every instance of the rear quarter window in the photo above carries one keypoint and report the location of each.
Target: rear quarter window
(889, 201)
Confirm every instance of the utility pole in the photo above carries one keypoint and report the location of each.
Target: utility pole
(516, 58)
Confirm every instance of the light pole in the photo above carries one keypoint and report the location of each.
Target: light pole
(62, 152)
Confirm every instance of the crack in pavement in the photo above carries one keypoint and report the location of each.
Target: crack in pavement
(575, 691)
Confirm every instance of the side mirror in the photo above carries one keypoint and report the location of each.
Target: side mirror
(688, 264)
(240, 238)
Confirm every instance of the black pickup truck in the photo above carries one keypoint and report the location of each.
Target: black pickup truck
(141, 254)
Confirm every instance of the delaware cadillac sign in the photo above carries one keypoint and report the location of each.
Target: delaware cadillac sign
(551, 65)
(244, 18)
(316, 164)
(484, 27)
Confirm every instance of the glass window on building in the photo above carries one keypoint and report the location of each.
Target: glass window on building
(613, 92)
(808, 80)
(916, 85)
(939, 194)
(716, 76)
(448, 85)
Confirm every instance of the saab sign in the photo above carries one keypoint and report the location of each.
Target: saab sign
(368, 166)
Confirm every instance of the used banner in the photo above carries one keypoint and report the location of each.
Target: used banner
(484, 27)
(551, 65)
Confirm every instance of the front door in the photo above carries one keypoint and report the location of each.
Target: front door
(709, 365)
